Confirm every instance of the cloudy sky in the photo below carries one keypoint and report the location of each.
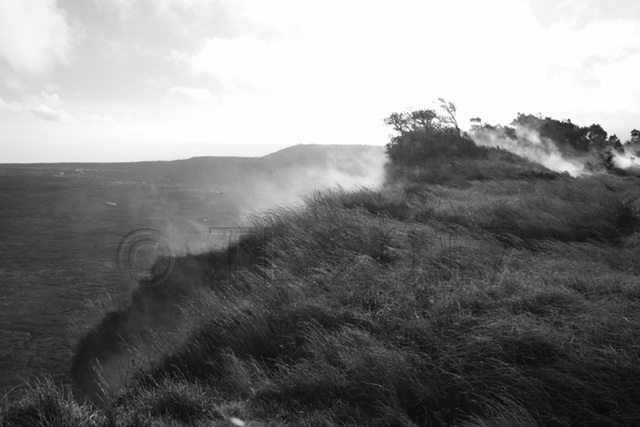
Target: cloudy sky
(125, 80)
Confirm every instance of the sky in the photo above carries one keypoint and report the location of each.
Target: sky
(130, 80)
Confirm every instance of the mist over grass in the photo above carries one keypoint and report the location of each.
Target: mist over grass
(561, 146)
(528, 143)
(472, 289)
(241, 187)
(288, 174)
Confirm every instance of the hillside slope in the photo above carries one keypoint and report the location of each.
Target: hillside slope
(501, 299)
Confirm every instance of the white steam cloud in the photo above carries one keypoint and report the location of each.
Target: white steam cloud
(345, 167)
(529, 144)
(231, 198)
(627, 159)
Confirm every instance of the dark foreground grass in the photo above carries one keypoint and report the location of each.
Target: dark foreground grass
(500, 302)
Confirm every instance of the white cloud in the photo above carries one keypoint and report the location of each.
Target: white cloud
(34, 35)
(192, 9)
(122, 7)
(352, 63)
(199, 94)
(578, 13)
(99, 119)
(239, 61)
(52, 114)
(44, 106)
(365, 59)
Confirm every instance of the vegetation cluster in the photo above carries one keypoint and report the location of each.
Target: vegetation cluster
(474, 288)
(591, 145)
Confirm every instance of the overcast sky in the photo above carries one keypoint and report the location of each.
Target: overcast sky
(125, 80)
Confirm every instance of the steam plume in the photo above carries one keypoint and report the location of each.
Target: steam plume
(529, 144)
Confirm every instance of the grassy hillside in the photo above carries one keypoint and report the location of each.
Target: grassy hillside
(485, 292)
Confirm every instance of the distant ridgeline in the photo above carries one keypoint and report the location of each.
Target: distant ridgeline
(351, 159)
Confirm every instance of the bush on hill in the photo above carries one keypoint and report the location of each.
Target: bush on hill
(428, 148)
(423, 135)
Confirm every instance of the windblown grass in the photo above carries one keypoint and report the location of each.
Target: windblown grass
(499, 302)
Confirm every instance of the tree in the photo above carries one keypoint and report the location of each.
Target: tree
(607, 160)
(424, 135)
(510, 132)
(476, 123)
(451, 110)
(427, 119)
(615, 143)
(424, 120)
(564, 133)
(597, 137)
(399, 122)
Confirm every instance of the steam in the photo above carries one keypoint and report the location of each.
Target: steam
(530, 145)
(626, 160)
(185, 198)
(200, 196)
(525, 141)
(279, 179)
(346, 168)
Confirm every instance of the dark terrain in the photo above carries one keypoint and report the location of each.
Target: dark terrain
(60, 226)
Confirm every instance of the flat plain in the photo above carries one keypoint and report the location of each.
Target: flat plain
(60, 232)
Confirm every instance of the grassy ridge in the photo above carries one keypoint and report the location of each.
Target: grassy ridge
(505, 299)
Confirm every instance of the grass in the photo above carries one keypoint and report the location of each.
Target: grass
(507, 300)
(47, 404)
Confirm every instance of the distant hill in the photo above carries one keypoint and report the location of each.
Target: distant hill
(225, 171)
(321, 154)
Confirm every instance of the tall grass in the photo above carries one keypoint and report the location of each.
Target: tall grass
(495, 303)
(48, 404)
